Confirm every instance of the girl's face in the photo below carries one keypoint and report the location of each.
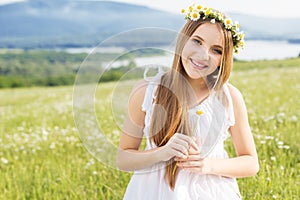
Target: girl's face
(202, 53)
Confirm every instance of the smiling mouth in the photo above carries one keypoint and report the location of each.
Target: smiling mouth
(198, 65)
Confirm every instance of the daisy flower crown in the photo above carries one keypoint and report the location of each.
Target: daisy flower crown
(197, 11)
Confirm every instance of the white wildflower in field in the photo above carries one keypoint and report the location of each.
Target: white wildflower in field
(280, 143)
(269, 137)
(4, 160)
(52, 145)
(280, 114)
(268, 118)
(273, 158)
(91, 162)
(294, 118)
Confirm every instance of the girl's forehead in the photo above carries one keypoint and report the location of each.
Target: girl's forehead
(210, 32)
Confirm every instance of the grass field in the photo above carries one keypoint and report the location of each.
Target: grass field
(42, 156)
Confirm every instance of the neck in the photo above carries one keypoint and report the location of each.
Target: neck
(200, 90)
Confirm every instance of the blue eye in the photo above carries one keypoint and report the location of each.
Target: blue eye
(197, 41)
(218, 51)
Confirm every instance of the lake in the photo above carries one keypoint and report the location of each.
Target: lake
(260, 49)
(254, 50)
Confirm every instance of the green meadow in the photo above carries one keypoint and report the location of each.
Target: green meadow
(43, 157)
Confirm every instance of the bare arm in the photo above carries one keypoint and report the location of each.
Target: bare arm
(129, 156)
(246, 162)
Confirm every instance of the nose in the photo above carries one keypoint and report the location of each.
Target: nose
(203, 53)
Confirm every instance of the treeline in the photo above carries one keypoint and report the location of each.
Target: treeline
(51, 68)
(38, 68)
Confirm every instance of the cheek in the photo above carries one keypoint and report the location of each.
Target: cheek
(187, 50)
(216, 60)
(184, 53)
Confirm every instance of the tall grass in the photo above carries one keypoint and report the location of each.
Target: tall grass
(42, 157)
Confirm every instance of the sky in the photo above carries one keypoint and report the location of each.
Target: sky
(269, 8)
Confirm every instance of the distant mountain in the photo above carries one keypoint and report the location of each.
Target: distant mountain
(269, 28)
(72, 23)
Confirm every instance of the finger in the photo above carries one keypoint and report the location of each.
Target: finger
(184, 137)
(192, 151)
(190, 164)
(189, 158)
(177, 138)
(183, 143)
(178, 154)
(180, 148)
(193, 158)
(195, 146)
(183, 140)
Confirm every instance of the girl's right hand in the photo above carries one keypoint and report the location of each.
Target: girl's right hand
(178, 145)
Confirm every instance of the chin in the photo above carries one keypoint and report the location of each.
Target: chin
(195, 76)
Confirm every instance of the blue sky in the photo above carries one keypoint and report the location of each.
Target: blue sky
(270, 8)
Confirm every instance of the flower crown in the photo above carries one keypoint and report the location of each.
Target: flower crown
(197, 11)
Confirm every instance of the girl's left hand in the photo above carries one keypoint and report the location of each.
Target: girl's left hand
(194, 162)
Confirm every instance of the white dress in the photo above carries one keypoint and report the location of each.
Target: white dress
(149, 183)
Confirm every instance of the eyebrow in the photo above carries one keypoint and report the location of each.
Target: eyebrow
(200, 38)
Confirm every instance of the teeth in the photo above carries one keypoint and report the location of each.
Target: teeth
(196, 64)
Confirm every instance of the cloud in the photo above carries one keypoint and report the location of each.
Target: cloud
(3, 2)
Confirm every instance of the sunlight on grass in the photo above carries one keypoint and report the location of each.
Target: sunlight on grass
(42, 156)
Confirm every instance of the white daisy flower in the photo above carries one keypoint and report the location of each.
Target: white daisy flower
(195, 11)
(183, 11)
(198, 7)
(237, 25)
(4, 160)
(194, 16)
(228, 23)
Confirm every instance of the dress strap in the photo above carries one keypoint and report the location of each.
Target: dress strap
(153, 83)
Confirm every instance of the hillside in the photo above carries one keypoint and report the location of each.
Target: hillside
(71, 23)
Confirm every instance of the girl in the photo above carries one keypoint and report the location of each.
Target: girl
(185, 115)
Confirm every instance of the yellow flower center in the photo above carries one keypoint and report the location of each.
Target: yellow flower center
(194, 15)
(199, 7)
(199, 112)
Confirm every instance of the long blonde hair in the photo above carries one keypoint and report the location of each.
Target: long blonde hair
(173, 93)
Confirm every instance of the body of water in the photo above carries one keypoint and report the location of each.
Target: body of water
(254, 50)
(267, 50)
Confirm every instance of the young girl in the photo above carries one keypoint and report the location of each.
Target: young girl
(185, 115)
